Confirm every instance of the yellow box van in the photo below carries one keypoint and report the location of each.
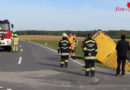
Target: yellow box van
(107, 53)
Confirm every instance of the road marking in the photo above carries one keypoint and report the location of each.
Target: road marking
(20, 46)
(96, 80)
(128, 72)
(21, 50)
(93, 87)
(5, 88)
(20, 60)
(9, 89)
(77, 62)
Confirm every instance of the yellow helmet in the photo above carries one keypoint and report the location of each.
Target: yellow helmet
(12, 34)
(16, 35)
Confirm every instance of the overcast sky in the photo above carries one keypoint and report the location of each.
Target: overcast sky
(65, 14)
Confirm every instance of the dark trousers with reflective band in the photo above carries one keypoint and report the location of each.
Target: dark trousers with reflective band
(90, 66)
(119, 61)
(64, 59)
(73, 54)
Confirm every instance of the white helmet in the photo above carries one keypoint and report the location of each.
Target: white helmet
(64, 35)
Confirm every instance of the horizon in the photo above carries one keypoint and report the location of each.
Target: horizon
(73, 30)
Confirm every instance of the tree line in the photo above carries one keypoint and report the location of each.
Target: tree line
(111, 33)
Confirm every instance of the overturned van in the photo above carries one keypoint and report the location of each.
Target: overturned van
(107, 53)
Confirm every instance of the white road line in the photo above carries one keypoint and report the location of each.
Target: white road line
(21, 50)
(5, 88)
(20, 46)
(9, 89)
(128, 72)
(77, 62)
(20, 60)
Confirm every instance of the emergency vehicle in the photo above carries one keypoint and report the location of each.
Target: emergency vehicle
(5, 34)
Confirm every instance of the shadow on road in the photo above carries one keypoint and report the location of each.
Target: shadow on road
(59, 69)
(69, 72)
(48, 64)
(3, 50)
(105, 73)
(53, 58)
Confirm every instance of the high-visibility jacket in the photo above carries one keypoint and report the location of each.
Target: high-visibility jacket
(64, 47)
(76, 42)
(90, 46)
(15, 41)
(71, 40)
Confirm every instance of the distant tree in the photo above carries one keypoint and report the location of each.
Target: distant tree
(111, 33)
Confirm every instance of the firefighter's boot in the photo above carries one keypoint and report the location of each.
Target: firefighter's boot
(66, 63)
(61, 65)
(87, 73)
(73, 54)
(92, 73)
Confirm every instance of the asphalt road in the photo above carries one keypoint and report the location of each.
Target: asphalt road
(37, 68)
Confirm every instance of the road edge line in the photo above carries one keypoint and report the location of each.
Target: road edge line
(20, 60)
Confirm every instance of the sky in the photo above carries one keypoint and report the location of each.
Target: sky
(65, 14)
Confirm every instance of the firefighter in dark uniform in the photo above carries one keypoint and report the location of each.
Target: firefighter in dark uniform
(90, 51)
(64, 49)
(122, 48)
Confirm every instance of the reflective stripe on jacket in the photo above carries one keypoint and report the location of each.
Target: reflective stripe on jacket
(64, 54)
(90, 57)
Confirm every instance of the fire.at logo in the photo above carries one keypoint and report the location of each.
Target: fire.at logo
(119, 9)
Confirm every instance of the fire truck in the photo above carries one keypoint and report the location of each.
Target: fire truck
(5, 34)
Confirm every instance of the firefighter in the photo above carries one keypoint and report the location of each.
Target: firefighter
(0, 40)
(15, 42)
(122, 48)
(71, 40)
(0, 28)
(90, 51)
(76, 42)
(64, 48)
(12, 35)
(12, 38)
(12, 44)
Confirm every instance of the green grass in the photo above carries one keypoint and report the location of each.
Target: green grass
(79, 52)
(51, 44)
